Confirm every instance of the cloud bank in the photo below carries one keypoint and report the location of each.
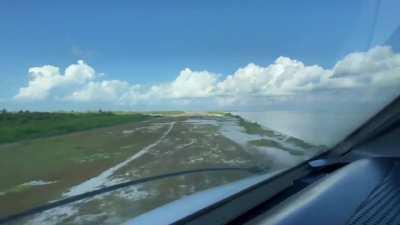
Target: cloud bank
(284, 79)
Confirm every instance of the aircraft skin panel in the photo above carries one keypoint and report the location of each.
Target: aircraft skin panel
(186, 206)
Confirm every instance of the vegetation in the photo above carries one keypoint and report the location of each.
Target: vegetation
(252, 127)
(65, 161)
(22, 125)
(271, 143)
(255, 128)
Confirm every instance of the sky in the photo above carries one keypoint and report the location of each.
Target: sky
(196, 55)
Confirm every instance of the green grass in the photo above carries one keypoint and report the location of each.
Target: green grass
(255, 128)
(66, 159)
(251, 127)
(271, 143)
(28, 125)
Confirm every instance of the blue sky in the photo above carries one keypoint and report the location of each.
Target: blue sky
(151, 42)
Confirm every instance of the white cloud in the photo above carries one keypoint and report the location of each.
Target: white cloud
(378, 67)
(45, 79)
(188, 84)
(100, 91)
(79, 73)
(378, 59)
(285, 76)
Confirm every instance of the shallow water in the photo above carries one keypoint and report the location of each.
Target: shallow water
(315, 127)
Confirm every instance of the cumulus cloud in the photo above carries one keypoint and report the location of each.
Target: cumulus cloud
(285, 76)
(100, 91)
(376, 68)
(45, 79)
(379, 66)
(188, 84)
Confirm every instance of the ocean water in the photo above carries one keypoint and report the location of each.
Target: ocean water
(315, 127)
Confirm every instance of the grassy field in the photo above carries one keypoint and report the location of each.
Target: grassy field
(68, 160)
(28, 125)
(45, 166)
